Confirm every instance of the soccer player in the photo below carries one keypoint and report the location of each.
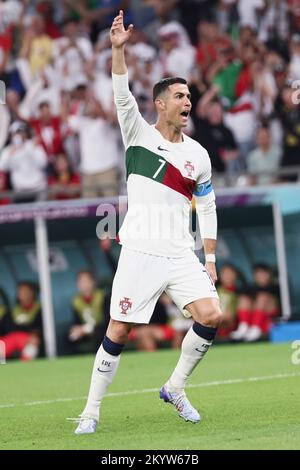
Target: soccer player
(165, 168)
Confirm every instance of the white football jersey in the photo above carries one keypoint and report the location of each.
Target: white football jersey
(162, 177)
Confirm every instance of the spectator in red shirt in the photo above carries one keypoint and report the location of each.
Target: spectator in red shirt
(48, 129)
(45, 9)
(294, 10)
(64, 177)
(249, 54)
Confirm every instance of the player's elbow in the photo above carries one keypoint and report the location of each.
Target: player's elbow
(122, 102)
(207, 217)
(206, 208)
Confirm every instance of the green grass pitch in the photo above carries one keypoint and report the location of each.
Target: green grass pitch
(248, 396)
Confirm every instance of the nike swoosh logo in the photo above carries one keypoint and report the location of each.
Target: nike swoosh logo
(164, 150)
(100, 370)
(199, 350)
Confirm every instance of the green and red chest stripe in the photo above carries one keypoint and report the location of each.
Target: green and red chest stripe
(143, 162)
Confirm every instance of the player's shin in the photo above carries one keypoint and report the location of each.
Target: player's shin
(105, 367)
(195, 345)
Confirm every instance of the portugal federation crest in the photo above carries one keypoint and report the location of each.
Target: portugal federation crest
(125, 305)
(189, 167)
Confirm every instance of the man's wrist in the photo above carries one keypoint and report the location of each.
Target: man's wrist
(118, 48)
(210, 258)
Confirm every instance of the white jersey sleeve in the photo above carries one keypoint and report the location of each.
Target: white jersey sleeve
(130, 119)
(205, 203)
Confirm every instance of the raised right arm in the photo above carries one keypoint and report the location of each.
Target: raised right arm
(130, 119)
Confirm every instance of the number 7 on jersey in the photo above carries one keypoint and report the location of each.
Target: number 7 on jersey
(163, 162)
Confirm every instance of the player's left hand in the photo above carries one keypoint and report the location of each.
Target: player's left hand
(211, 269)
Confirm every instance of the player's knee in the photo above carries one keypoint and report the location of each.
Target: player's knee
(214, 316)
(119, 331)
(217, 316)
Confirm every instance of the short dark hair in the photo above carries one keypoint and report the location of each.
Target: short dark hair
(30, 285)
(263, 127)
(262, 267)
(68, 20)
(263, 124)
(164, 84)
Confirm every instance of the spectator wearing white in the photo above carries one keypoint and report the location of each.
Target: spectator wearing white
(164, 11)
(102, 84)
(25, 160)
(241, 118)
(10, 14)
(101, 47)
(8, 114)
(144, 71)
(44, 88)
(4, 125)
(103, 90)
(249, 11)
(224, 10)
(98, 151)
(294, 66)
(177, 53)
(73, 104)
(264, 89)
(275, 22)
(72, 53)
(264, 160)
(265, 92)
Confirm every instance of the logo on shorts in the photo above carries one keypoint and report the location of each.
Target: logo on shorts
(189, 167)
(125, 305)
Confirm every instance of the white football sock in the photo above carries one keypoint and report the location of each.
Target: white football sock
(193, 349)
(105, 367)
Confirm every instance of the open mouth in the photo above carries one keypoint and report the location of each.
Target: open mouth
(185, 113)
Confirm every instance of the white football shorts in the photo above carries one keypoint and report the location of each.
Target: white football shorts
(141, 278)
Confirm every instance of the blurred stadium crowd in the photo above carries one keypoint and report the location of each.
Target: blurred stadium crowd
(59, 136)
